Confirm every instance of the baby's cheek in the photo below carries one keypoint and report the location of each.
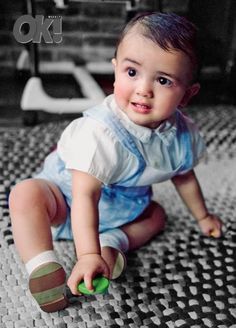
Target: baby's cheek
(119, 90)
(121, 94)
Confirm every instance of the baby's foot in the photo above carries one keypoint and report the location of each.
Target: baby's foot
(47, 286)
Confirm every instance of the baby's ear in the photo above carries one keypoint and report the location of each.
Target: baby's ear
(113, 62)
(190, 92)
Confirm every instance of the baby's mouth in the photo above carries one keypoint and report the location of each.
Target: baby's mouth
(141, 108)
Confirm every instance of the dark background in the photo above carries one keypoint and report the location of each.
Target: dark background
(90, 30)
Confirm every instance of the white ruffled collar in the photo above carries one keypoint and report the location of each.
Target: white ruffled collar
(166, 131)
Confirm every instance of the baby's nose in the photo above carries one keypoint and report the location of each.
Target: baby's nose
(145, 89)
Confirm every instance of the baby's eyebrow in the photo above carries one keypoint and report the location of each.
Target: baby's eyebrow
(131, 61)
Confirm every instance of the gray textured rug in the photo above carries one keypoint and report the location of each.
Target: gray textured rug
(180, 279)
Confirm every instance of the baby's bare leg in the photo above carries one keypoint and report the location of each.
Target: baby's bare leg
(148, 225)
(35, 205)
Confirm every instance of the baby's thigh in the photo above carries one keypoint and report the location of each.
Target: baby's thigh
(39, 195)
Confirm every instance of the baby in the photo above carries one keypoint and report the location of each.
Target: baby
(95, 188)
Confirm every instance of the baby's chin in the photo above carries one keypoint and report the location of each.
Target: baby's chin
(144, 122)
(139, 118)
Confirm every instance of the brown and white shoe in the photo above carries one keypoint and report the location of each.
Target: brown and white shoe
(115, 260)
(119, 266)
(47, 286)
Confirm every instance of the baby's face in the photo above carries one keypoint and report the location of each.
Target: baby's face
(150, 83)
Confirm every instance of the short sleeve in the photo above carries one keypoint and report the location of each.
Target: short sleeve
(89, 146)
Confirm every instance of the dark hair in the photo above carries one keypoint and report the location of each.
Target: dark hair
(169, 31)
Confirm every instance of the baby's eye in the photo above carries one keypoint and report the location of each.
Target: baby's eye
(164, 81)
(131, 72)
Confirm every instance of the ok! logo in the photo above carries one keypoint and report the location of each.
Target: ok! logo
(38, 28)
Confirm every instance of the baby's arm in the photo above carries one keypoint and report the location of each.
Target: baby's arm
(85, 220)
(190, 191)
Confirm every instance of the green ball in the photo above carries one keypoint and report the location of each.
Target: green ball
(100, 286)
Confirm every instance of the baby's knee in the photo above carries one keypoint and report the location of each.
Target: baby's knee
(24, 194)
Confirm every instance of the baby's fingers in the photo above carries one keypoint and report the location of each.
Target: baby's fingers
(216, 231)
(73, 282)
(102, 270)
(88, 280)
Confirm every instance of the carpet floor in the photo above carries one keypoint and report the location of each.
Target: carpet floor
(179, 279)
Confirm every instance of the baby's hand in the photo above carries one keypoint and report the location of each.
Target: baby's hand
(86, 268)
(211, 226)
